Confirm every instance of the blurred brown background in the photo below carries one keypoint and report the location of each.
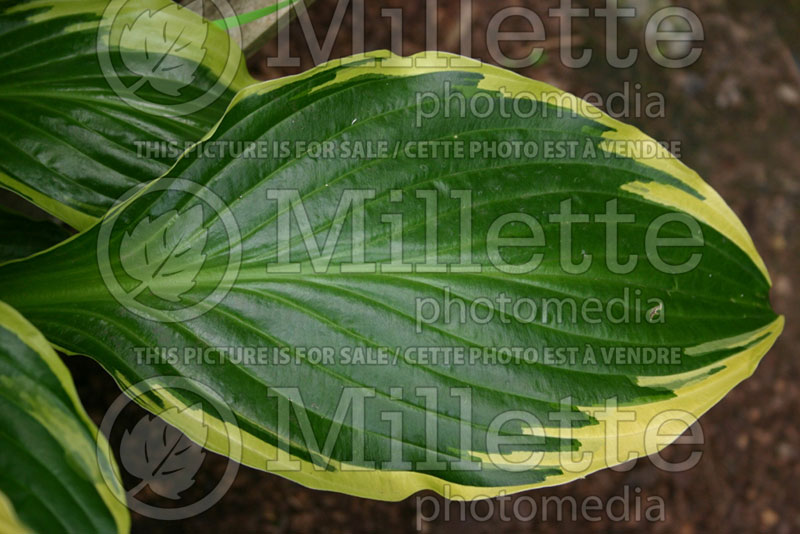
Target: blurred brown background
(736, 113)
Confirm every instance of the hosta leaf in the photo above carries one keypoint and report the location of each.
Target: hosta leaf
(255, 21)
(51, 478)
(89, 88)
(302, 257)
(9, 522)
(21, 236)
